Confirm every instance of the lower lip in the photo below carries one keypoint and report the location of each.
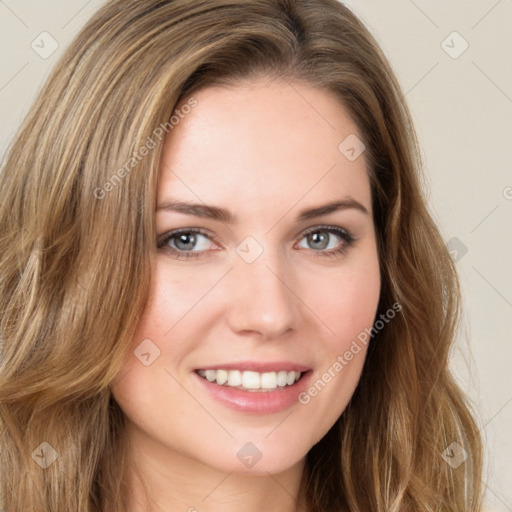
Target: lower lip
(259, 402)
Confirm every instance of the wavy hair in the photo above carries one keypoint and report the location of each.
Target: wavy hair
(75, 266)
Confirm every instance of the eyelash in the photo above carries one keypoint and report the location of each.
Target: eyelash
(347, 236)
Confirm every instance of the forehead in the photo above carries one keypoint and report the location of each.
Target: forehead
(262, 142)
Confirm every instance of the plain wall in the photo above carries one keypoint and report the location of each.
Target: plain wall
(461, 102)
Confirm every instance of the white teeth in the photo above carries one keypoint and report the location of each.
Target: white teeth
(281, 378)
(211, 375)
(251, 380)
(269, 380)
(234, 378)
(222, 377)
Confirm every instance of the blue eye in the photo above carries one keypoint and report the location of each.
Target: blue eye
(329, 241)
(322, 240)
(184, 243)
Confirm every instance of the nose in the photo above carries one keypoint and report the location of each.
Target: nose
(262, 299)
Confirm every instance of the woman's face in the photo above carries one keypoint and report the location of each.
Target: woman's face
(262, 277)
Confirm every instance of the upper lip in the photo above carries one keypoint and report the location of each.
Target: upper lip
(259, 366)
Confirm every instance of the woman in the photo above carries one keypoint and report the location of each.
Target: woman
(221, 286)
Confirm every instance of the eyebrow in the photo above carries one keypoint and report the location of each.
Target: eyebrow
(223, 215)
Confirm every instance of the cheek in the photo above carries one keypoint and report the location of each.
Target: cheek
(346, 304)
(346, 301)
(170, 328)
(175, 296)
(148, 377)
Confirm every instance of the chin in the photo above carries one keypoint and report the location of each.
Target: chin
(250, 456)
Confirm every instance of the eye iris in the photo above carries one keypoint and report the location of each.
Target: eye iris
(319, 237)
(185, 239)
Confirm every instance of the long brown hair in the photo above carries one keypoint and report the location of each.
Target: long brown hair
(77, 241)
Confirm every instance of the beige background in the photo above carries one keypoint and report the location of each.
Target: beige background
(462, 105)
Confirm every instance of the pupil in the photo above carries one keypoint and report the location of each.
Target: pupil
(186, 241)
(319, 237)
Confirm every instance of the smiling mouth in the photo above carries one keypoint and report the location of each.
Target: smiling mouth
(250, 380)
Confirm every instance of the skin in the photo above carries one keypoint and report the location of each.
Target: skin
(265, 151)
